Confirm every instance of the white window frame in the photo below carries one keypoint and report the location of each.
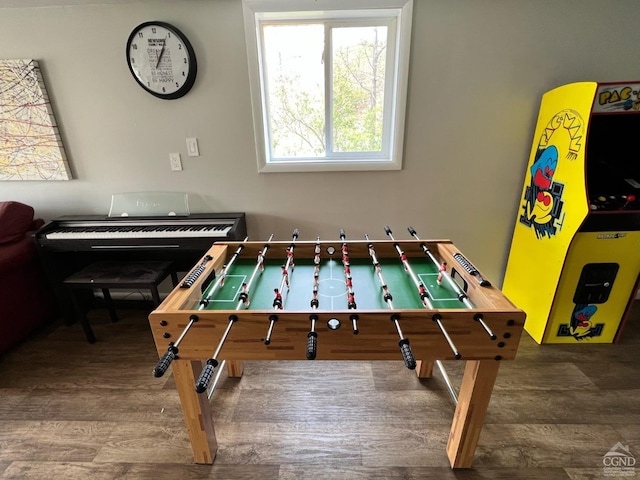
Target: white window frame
(400, 11)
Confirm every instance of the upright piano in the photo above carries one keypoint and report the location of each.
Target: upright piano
(70, 243)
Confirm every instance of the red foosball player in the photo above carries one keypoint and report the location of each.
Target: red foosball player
(351, 301)
(261, 260)
(244, 295)
(223, 275)
(285, 275)
(290, 257)
(349, 282)
(403, 258)
(423, 293)
(347, 270)
(387, 297)
(443, 268)
(277, 301)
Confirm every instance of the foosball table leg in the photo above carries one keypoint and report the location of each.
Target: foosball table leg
(424, 369)
(196, 411)
(475, 394)
(235, 368)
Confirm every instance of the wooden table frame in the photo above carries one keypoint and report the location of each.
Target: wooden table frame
(377, 339)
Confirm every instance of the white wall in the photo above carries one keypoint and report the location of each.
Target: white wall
(478, 70)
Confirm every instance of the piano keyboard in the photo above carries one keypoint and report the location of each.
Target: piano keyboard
(87, 232)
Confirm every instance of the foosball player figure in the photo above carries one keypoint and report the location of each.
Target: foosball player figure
(423, 293)
(349, 282)
(441, 270)
(403, 258)
(285, 275)
(344, 249)
(261, 260)
(314, 301)
(351, 301)
(290, 257)
(244, 295)
(277, 301)
(372, 251)
(387, 296)
(345, 259)
(223, 274)
(347, 270)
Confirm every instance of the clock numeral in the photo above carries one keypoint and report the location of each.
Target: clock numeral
(179, 46)
(134, 46)
(153, 29)
(177, 84)
(185, 61)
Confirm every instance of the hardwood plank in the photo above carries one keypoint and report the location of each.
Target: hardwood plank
(565, 406)
(42, 441)
(543, 445)
(278, 443)
(294, 472)
(92, 405)
(25, 470)
(143, 442)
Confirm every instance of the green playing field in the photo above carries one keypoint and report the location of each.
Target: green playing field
(332, 290)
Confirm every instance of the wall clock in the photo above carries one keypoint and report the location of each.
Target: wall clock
(161, 59)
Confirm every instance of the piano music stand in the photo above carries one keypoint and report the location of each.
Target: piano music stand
(117, 275)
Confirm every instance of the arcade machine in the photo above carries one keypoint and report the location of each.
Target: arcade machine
(574, 261)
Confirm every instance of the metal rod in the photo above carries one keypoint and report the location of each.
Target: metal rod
(215, 379)
(447, 381)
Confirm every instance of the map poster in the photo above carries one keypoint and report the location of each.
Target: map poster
(30, 144)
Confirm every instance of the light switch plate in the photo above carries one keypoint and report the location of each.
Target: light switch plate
(176, 163)
(192, 147)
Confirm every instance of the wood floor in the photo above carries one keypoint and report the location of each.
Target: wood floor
(71, 410)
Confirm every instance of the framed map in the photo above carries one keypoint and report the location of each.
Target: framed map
(30, 144)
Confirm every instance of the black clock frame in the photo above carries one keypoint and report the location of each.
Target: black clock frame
(193, 64)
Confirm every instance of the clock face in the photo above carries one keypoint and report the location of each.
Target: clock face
(161, 59)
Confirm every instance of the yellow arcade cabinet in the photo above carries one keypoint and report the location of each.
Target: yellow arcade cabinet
(574, 261)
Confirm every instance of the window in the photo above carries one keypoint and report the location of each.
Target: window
(328, 87)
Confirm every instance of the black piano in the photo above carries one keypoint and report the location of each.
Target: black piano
(70, 243)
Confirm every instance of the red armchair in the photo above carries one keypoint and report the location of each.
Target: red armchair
(25, 301)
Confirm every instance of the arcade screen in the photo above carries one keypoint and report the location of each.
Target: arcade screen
(613, 161)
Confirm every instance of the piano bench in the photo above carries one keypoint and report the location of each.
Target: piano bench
(117, 275)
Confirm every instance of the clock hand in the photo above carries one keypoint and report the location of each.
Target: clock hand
(161, 52)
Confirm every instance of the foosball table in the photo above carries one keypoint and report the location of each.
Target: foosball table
(417, 301)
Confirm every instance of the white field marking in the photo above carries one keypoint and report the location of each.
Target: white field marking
(427, 285)
(237, 287)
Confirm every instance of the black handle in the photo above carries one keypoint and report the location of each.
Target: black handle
(164, 362)
(296, 233)
(205, 375)
(312, 345)
(342, 234)
(412, 232)
(407, 354)
(387, 230)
